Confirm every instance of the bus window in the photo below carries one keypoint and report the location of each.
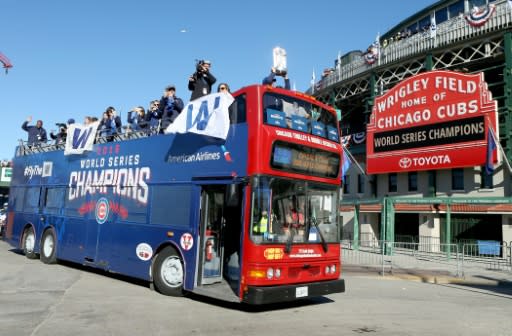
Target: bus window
(17, 197)
(291, 112)
(137, 211)
(288, 210)
(32, 199)
(54, 200)
(176, 197)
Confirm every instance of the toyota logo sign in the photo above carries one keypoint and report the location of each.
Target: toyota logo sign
(405, 162)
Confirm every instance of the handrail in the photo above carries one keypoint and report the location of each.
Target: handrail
(448, 32)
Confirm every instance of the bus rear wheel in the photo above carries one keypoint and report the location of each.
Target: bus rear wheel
(168, 273)
(29, 243)
(48, 247)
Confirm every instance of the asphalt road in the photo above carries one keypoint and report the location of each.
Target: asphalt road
(39, 300)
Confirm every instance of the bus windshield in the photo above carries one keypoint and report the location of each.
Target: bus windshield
(300, 115)
(293, 211)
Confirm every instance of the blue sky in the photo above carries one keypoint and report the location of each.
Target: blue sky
(76, 58)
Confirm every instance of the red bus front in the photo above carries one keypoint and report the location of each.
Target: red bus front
(291, 238)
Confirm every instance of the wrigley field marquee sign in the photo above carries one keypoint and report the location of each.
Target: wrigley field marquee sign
(434, 120)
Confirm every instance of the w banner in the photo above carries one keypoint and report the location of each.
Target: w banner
(208, 115)
(80, 138)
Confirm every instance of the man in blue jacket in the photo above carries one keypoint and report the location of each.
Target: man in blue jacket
(170, 106)
(36, 134)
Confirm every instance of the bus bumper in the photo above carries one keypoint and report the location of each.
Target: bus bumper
(264, 295)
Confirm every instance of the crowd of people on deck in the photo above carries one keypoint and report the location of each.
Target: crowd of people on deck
(153, 120)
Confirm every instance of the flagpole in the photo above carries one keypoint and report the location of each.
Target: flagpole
(353, 159)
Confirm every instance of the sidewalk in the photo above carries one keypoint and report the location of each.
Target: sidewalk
(473, 277)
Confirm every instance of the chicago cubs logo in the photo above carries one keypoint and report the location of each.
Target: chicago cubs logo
(186, 241)
(405, 162)
(102, 210)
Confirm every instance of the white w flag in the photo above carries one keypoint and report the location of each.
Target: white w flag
(80, 138)
(433, 27)
(208, 115)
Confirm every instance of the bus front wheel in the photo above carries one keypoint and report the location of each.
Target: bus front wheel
(168, 273)
(29, 243)
(48, 247)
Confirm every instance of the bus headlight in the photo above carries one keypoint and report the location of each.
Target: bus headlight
(270, 273)
(333, 269)
(327, 269)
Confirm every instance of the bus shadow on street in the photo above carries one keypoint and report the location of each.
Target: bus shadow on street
(260, 308)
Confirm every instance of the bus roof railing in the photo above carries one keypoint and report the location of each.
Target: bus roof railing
(24, 148)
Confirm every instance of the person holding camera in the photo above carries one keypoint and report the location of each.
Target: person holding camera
(60, 138)
(171, 106)
(36, 134)
(271, 79)
(201, 81)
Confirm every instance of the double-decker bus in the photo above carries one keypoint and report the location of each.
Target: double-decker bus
(250, 218)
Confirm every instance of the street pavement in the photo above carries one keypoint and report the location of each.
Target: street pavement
(67, 299)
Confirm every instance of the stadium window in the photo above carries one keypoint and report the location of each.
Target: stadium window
(457, 179)
(476, 3)
(346, 184)
(392, 182)
(413, 28)
(424, 23)
(360, 184)
(441, 15)
(486, 180)
(456, 8)
(412, 178)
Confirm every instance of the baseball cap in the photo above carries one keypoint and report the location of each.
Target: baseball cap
(170, 87)
(71, 121)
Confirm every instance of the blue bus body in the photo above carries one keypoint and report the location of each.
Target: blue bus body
(143, 170)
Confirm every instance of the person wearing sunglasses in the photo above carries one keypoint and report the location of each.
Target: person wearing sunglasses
(223, 87)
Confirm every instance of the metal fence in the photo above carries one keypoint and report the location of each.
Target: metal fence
(453, 259)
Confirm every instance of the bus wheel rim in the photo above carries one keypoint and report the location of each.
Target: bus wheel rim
(30, 242)
(48, 245)
(172, 272)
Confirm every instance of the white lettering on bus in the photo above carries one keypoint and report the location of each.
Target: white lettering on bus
(126, 182)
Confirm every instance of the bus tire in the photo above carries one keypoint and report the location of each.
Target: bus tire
(49, 247)
(168, 272)
(29, 243)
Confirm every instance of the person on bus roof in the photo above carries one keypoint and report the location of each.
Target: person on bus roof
(201, 81)
(36, 134)
(170, 106)
(271, 79)
(224, 88)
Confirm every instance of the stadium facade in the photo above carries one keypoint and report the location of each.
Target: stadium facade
(447, 205)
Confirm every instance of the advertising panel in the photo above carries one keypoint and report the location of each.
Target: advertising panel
(434, 120)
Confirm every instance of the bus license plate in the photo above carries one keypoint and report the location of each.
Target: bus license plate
(301, 291)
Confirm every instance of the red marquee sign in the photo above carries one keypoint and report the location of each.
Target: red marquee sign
(434, 120)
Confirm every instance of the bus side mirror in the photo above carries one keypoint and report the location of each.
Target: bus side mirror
(233, 194)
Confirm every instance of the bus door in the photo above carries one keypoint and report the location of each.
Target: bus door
(211, 234)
